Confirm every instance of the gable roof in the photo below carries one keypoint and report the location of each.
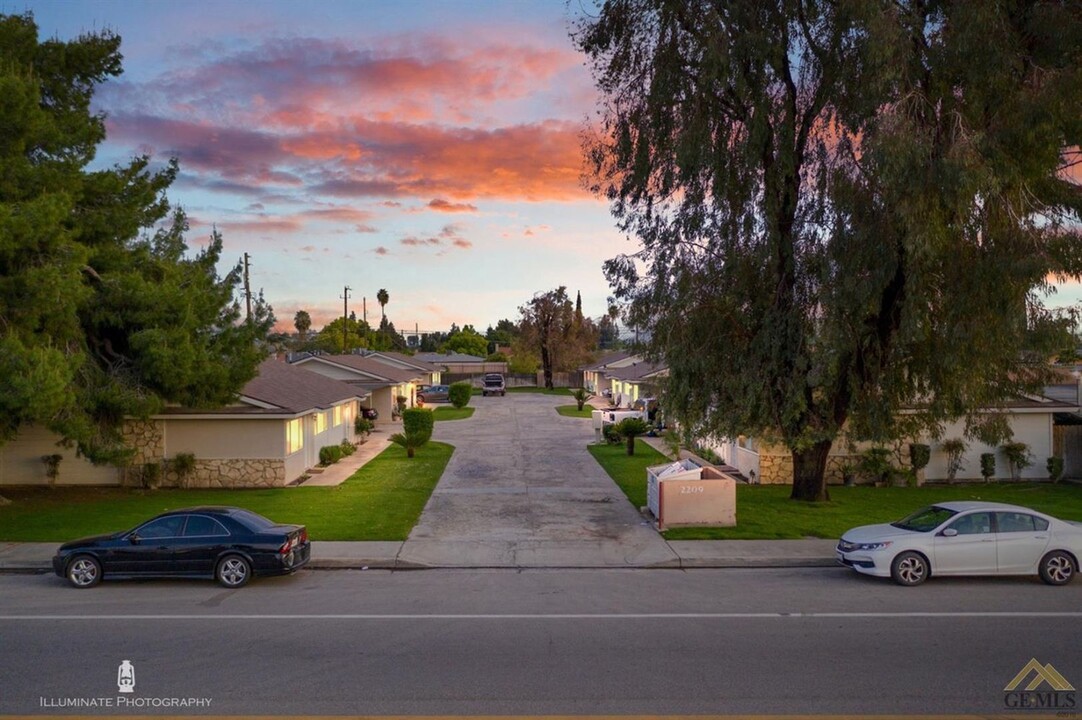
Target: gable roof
(638, 371)
(366, 368)
(454, 357)
(294, 389)
(397, 359)
(608, 359)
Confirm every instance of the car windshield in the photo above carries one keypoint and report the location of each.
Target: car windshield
(925, 519)
(251, 520)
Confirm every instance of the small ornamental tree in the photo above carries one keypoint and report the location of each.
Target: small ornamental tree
(954, 448)
(459, 394)
(1055, 468)
(629, 429)
(1017, 454)
(417, 424)
(581, 396)
(988, 466)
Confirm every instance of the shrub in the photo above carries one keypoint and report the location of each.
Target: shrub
(459, 394)
(347, 448)
(919, 455)
(1055, 468)
(875, 464)
(611, 436)
(52, 466)
(418, 423)
(330, 454)
(363, 426)
(954, 449)
(988, 466)
(629, 429)
(400, 403)
(183, 465)
(1017, 455)
(581, 396)
(151, 473)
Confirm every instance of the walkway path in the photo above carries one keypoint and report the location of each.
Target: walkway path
(521, 490)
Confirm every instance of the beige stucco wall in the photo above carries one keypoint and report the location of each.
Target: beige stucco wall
(222, 439)
(21, 464)
(775, 462)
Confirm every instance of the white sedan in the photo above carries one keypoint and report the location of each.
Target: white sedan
(966, 538)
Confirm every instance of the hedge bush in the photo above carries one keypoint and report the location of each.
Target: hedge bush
(330, 454)
(459, 394)
(417, 423)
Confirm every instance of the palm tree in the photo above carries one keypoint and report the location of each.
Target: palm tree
(303, 322)
(630, 427)
(383, 298)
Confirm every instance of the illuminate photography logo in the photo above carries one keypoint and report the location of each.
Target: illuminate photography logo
(125, 697)
(1032, 695)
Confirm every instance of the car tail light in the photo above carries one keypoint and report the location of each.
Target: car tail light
(286, 547)
(304, 537)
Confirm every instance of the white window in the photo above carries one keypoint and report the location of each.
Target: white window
(321, 422)
(294, 436)
(338, 415)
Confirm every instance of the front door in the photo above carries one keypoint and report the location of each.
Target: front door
(971, 551)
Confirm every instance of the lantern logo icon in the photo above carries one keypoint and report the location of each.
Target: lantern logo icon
(125, 677)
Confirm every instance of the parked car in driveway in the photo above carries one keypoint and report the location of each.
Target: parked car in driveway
(434, 393)
(493, 385)
(228, 544)
(966, 538)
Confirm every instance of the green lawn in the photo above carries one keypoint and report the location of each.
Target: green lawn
(540, 390)
(766, 512)
(573, 411)
(381, 501)
(453, 413)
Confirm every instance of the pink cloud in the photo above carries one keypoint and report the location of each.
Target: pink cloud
(440, 205)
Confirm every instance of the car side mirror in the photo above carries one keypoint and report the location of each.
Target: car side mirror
(949, 532)
(133, 539)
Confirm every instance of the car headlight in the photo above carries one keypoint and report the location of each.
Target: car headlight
(872, 546)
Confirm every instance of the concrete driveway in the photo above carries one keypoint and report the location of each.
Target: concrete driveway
(521, 490)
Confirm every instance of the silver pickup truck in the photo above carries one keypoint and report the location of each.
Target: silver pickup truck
(493, 385)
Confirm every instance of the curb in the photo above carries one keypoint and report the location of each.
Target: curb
(24, 567)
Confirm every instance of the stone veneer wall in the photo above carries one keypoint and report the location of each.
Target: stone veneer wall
(777, 468)
(147, 438)
(230, 474)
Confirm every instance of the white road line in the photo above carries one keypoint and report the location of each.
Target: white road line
(565, 616)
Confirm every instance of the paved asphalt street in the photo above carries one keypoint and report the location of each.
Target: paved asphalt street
(537, 642)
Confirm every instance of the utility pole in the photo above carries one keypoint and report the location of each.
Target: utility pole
(345, 318)
(247, 289)
(364, 309)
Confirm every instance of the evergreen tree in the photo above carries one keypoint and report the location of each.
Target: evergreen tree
(99, 319)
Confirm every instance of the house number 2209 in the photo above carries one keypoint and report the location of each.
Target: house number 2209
(690, 489)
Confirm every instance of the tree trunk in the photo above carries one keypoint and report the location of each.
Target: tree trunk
(409, 451)
(546, 365)
(631, 445)
(809, 472)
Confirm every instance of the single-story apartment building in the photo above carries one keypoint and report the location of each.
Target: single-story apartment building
(1031, 420)
(380, 381)
(595, 376)
(268, 438)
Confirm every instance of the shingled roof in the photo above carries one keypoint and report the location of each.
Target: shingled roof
(295, 390)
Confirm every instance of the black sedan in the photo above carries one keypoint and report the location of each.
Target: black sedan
(225, 543)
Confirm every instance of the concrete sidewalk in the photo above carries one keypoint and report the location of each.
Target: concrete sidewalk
(27, 557)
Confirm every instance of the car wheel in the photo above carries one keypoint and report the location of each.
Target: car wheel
(233, 571)
(84, 571)
(909, 569)
(1056, 568)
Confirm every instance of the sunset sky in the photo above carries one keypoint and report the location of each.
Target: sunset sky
(431, 148)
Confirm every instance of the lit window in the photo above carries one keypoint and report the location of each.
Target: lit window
(337, 415)
(294, 436)
(321, 422)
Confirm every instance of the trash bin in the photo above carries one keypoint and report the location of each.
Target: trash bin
(684, 494)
